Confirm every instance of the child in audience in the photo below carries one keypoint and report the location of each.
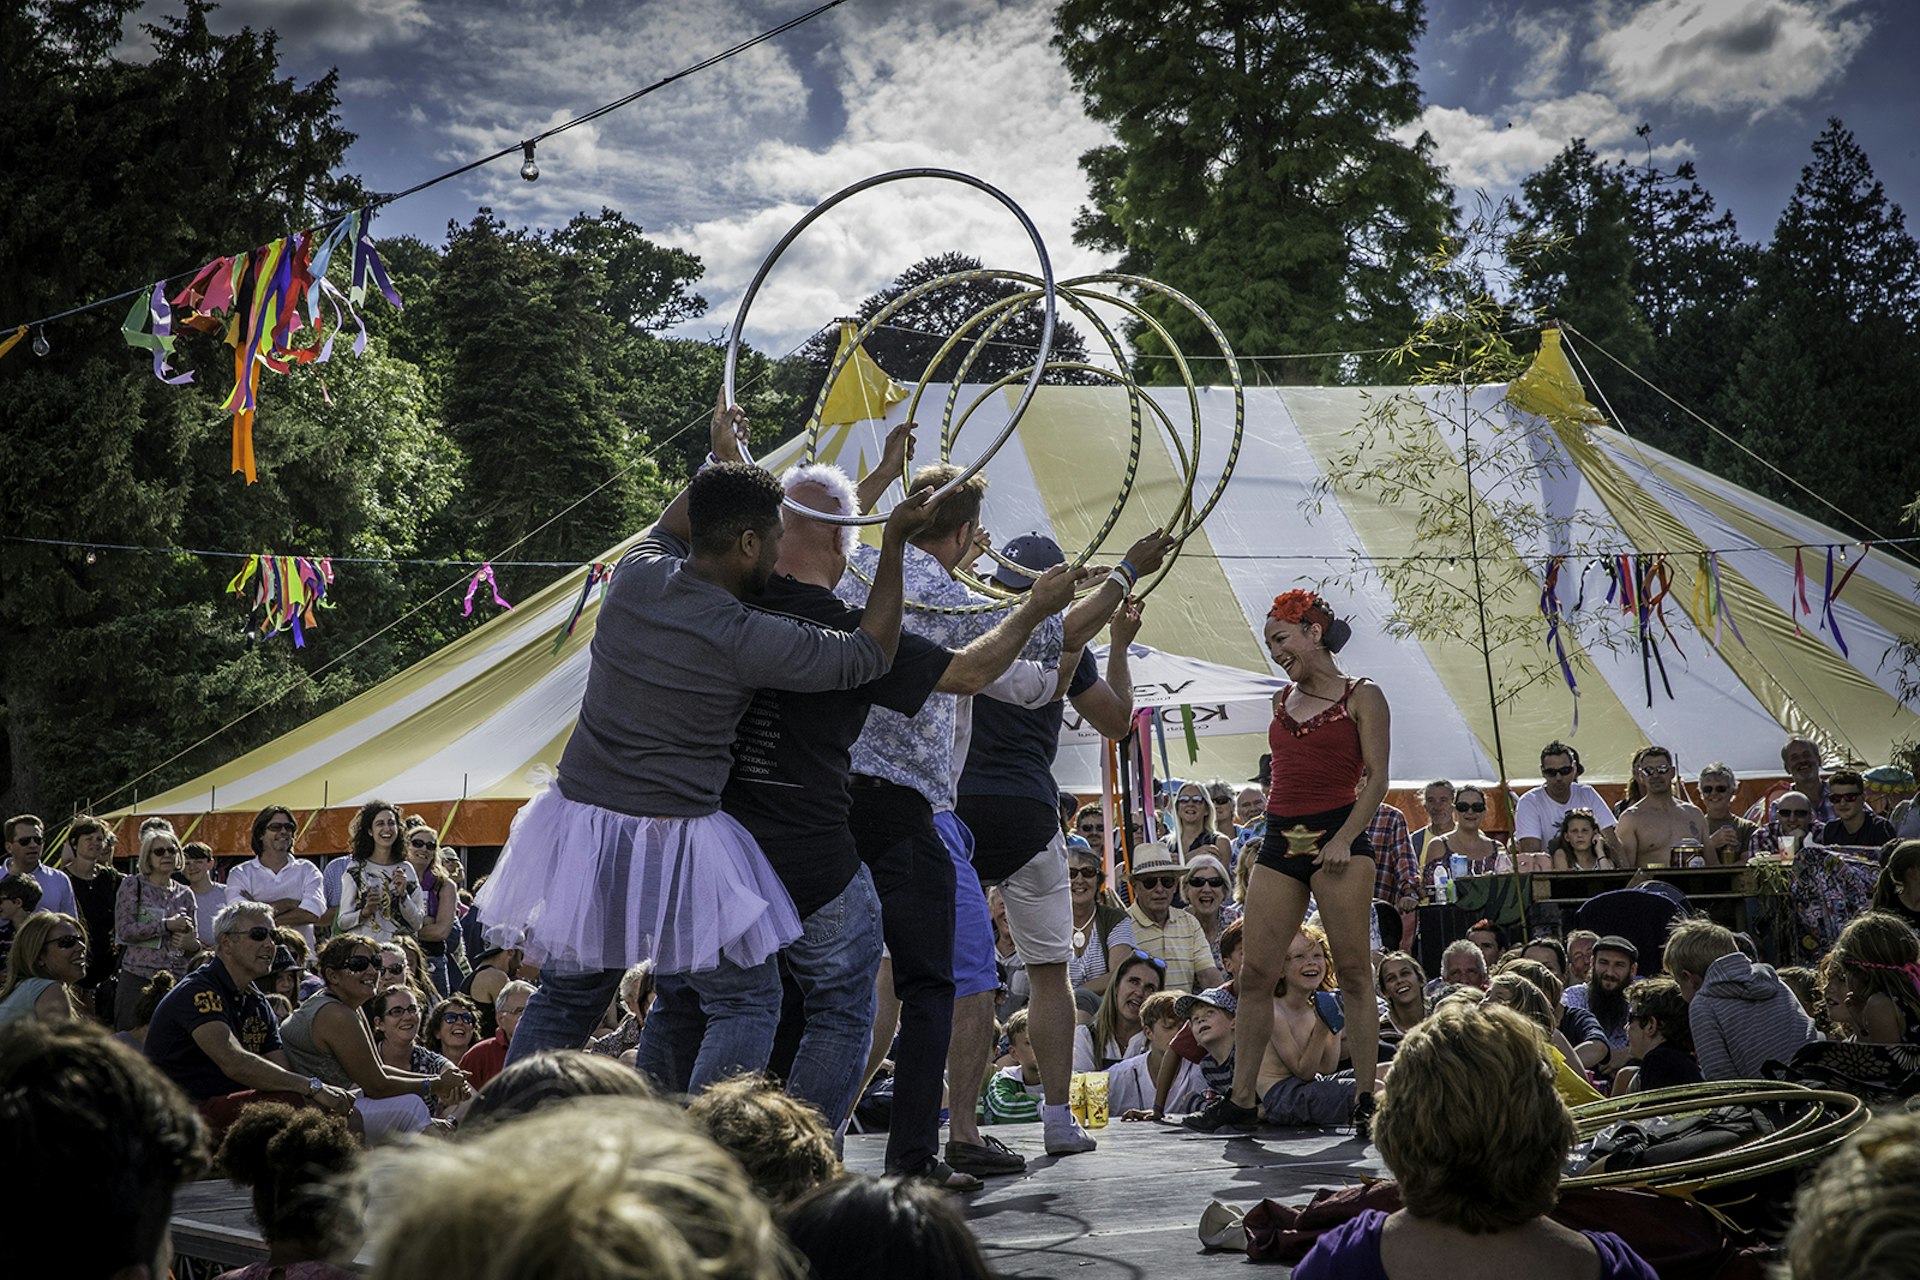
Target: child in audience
(1740, 1014)
(782, 1142)
(1013, 1095)
(1659, 1046)
(1857, 1217)
(858, 1228)
(1210, 1014)
(298, 1164)
(1130, 1087)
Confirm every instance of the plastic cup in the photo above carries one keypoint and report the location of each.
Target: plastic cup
(1785, 845)
(1096, 1100)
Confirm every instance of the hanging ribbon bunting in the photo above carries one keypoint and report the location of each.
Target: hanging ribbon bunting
(1144, 721)
(484, 574)
(12, 340)
(366, 262)
(598, 574)
(1638, 573)
(1828, 620)
(1660, 574)
(1710, 600)
(153, 308)
(1550, 609)
(287, 589)
(1797, 599)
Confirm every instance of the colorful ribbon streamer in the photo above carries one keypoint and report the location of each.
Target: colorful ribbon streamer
(598, 574)
(1710, 599)
(1798, 593)
(1551, 610)
(288, 589)
(1828, 620)
(153, 308)
(484, 574)
(12, 340)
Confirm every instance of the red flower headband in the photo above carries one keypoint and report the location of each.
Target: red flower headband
(1301, 608)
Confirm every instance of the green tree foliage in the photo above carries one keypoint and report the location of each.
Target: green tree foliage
(1828, 371)
(1256, 168)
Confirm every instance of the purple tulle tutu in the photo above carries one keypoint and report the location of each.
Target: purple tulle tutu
(580, 887)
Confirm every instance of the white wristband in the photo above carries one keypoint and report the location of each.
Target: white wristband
(1119, 578)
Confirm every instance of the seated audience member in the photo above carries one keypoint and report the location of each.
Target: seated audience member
(1790, 828)
(395, 966)
(153, 920)
(1522, 996)
(483, 1062)
(395, 1014)
(1402, 983)
(1580, 955)
(214, 1036)
(1013, 1094)
(1854, 1219)
(1130, 1082)
(328, 1038)
(630, 1005)
(135, 1037)
(1210, 1016)
(1550, 952)
(1470, 1126)
(1115, 1032)
(124, 1141)
(1164, 930)
(1485, 934)
(453, 1027)
(552, 1075)
(859, 1228)
(1463, 964)
(1659, 1050)
(600, 1189)
(19, 898)
(1831, 1016)
(1728, 834)
(493, 969)
(44, 970)
(1898, 888)
(1300, 1078)
(1537, 813)
(1804, 982)
(1576, 843)
(1210, 898)
(1853, 824)
(1655, 820)
(1878, 957)
(284, 977)
(1740, 1016)
(1580, 1028)
(1615, 964)
(1102, 929)
(782, 1142)
(299, 1165)
(1484, 854)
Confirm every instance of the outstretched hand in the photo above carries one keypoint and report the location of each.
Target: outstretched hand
(1053, 590)
(1127, 619)
(898, 452)
(1147, 555)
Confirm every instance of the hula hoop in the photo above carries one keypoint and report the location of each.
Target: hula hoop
(1040, 363)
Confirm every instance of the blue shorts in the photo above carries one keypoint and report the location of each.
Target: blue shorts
(974, 967)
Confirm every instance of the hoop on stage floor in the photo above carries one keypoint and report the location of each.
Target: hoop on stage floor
(1080, 294)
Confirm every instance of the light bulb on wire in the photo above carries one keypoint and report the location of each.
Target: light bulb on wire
(40, 344)
(528, 169)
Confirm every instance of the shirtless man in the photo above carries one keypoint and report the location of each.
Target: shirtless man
(1654, 823)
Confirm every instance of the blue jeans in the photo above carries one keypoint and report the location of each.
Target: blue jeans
(833, 963)
(742, 1008)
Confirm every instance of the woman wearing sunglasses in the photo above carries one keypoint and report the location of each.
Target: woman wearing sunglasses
(440, 902)
(1210, 897)
(49, 956)
(453, 1027)
(1102, 932)
(1193, 830)
(1117, 1031)
(153, 919)
(327, 1038)
(397, 1014)
(1485, 855)
(1330, 746)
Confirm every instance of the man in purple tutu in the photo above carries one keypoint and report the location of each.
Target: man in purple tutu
(627, 855)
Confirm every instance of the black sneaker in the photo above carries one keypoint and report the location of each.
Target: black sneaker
(1363, 1106)
(1222, 1112)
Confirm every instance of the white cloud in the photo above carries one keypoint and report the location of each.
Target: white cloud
(305, 27)
(1728, 55)
(1494, 152)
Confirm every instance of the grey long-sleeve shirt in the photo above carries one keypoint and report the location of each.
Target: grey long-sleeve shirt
(675, 662)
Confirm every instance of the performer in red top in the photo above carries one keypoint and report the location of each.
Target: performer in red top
(1329, 738)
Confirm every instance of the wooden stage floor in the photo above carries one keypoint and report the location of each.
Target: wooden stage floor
(1129, 1211)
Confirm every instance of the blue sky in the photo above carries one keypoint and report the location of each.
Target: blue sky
(723, 163)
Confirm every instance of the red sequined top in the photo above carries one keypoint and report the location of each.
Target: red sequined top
(1316, 763)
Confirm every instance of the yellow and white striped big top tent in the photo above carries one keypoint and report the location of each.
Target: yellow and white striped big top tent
(465, 735)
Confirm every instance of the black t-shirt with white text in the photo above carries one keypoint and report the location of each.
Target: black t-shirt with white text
(790, 757)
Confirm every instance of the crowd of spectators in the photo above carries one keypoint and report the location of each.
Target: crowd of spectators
(280, 1022)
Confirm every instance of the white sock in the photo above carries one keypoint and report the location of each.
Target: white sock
(1056, 1116)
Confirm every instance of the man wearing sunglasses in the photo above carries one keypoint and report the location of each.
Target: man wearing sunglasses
(1855, 824)
(215, 1036)
(1655, 821)
(292, 886)
(1537, 814)
(26, 839)
(1727, 832)
(1164, 930)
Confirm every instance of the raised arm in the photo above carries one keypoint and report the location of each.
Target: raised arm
(880, 620)
(892, 465)
(986, 659)
(1107, 704)
(725, 432)
(1084, 620)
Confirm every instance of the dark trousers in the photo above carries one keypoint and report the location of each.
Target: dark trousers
(913, 875)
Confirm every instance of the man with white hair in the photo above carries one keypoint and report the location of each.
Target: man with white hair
(484, 1061)
(789, 788)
